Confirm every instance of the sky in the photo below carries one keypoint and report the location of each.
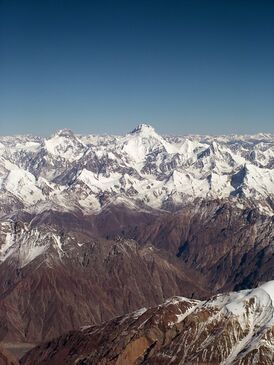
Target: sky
(185, 67)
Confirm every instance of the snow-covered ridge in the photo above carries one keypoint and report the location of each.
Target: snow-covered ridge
(257, 301)
(23, 244)
(243, 320)
(141, 169)
(234, 328)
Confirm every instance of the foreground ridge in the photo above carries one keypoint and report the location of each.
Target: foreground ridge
(233, 328)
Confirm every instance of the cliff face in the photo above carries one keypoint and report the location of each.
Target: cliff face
(234, 328)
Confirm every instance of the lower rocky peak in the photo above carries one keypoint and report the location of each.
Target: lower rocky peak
(233, 328)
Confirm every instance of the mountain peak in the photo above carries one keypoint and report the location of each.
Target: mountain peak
(64, 133)
(143, 128)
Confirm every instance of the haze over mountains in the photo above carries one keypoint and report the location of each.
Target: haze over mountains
(95, 227)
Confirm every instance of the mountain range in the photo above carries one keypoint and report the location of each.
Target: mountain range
(95, 227)
(142, 169)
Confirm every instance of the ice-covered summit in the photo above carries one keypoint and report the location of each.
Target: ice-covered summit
(143, 128)
(66, 133)
(65, 144)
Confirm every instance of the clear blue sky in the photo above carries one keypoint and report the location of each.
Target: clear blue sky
(188, 66)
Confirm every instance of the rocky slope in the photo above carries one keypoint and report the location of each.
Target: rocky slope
(52, 281)
(231, 248)
(7, 358)
(61, 271)
(234, 328)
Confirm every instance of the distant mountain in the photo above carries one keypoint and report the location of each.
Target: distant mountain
(228, 329)
(142, 169)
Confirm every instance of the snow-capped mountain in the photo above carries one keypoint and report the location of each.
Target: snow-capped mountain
(235, 328)
(69, 172)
